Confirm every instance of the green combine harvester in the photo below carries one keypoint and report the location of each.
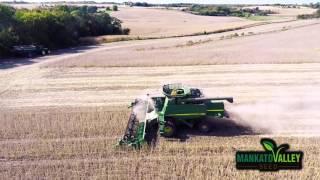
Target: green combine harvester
(162, 115)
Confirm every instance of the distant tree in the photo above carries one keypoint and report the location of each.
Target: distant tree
(55, 27)
(83, 9)
(108, 8)
(126, 31)
(143, 4)
(316, 5)
(50, 28)
(115, 8)
(7, 39)
(309, 16)
(92, 9)
(227, 10)
(6, 16)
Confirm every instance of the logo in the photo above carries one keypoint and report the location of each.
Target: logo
(274, 158)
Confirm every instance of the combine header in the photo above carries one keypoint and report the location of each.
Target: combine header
(180, 105)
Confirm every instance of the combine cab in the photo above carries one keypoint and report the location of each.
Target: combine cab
(180, 105)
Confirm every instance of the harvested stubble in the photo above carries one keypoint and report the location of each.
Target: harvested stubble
(95, 156)
(296, 45)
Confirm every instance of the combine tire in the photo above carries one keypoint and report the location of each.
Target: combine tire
(226, 114)
(204, 126)
(152, 135)
(30, 55)
(169, 129)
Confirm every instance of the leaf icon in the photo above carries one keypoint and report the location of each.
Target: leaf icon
(271, 146)
(267, 144)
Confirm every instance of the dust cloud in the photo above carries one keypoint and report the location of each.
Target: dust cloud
(141, 105)
(286, 115)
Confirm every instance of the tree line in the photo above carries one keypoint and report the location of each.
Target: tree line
(54, 27)
(309, 16)
(314, 5)
(224, 10)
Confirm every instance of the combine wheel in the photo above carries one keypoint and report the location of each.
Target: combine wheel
(30, 55)
(152, 135)
(169, 129)
(226, 114)
(204, 126)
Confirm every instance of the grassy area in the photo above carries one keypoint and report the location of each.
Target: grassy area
(108, 11)
(261, 18)
(117, 38)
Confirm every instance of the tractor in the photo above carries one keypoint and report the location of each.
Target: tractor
(163, 115)
(30, 50)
